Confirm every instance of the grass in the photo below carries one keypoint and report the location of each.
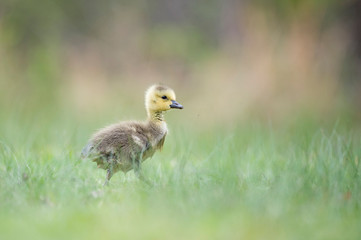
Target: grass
(251, 181)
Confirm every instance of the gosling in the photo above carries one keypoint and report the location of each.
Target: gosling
(125, 145)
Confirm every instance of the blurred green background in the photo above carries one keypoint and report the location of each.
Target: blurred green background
(268, 145)
(232, 57)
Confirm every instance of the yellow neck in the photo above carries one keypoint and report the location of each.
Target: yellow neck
(156, 116)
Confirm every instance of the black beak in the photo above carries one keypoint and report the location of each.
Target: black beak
(175, 105)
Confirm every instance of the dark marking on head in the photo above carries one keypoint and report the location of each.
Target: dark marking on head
(161, 88)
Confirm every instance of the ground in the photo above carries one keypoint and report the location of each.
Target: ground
(249, 181)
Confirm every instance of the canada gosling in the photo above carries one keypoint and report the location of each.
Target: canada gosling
(125, 145)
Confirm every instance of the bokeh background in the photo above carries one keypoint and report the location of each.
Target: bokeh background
(267, 146)
(228, 60)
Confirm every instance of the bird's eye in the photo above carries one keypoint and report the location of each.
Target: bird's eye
(164, 97)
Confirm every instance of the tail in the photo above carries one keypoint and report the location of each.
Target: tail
(87, 150)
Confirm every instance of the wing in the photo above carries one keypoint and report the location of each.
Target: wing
(161, 142)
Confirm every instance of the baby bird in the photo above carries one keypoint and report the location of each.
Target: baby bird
(125, 145)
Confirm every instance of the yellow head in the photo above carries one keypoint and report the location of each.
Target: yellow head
(159, 98)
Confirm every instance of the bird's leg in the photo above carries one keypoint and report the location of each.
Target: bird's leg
(110, 159)
(138, 170)
(136, 164)
(109, 174)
